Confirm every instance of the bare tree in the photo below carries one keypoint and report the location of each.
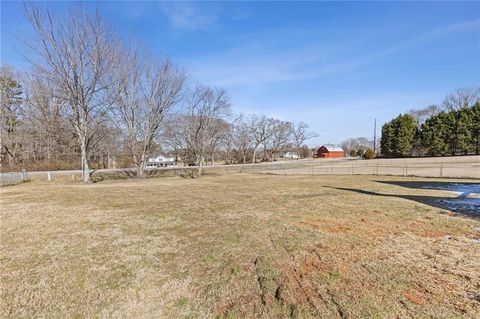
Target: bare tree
(11, 112)
(300, 134)
(353, 145)
(421, 115)
(173, 135)
(219, 128)
(148, 90)
(46, 116)
(205, 107)
(282, 132)
(260, 130)
(227, 142)
(75, 53)
(242, 140)
(462, 98)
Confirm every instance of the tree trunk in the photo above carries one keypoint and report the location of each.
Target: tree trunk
(477, 148)
(254, 159)
(141, 166)
(84, 160)
(11, 159)
(200, 166)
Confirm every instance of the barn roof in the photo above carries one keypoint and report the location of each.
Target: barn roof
(332, 148)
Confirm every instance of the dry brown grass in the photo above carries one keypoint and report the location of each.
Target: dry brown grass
(234, 246)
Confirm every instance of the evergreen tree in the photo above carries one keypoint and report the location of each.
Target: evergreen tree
(404, 133)
(450, 130)
(399, 136)
(386, 140)
(475, 128)
(434, 133)
(463, 130)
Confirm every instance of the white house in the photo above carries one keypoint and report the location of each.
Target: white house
(291, 155)
(161, 161)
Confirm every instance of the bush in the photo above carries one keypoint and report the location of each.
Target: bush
(360, 152)
(188, 173)
(369, 154)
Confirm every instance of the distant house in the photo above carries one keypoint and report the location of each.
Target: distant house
(161, 161)
(329, 152)
(291, 155)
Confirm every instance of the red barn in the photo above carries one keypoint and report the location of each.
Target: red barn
(329, 152)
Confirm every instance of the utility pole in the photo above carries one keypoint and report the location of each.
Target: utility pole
(375, 137)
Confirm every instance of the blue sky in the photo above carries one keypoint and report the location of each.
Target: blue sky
(334, 65)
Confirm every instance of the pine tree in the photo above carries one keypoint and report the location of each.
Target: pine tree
(463, 129)
(433, 134)
(450, 132)
(405, 130)
(386, 140)
(475, 128)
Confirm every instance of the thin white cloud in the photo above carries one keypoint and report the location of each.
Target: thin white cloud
(251, 64)
(190, 16)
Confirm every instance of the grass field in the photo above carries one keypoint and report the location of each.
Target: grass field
(237, 246)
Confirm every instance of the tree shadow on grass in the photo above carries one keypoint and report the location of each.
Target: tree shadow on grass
(463, 189)
(462, 205)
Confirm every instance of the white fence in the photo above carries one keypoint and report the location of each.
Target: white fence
(13, 178)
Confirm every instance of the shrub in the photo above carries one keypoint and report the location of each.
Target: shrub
(369, 154)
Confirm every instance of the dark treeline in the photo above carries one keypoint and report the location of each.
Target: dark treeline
(452, 129)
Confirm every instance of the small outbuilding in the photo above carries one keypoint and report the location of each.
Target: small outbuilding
(329, 152)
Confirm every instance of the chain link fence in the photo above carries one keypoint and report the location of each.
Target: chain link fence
(13, 178)
(407, 169)
(455, 167)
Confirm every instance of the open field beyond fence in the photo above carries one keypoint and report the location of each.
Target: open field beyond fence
(455, 167)
(240, 246)
(405, 169)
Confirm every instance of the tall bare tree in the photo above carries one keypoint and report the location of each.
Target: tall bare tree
(227, 141)
(462, 98)
(260, 130)
(205, 107)
(75, 53)
(220, 128)
(173, 135)
(300, 134)
(11, 112)
(282, 132)
(148, 90)
(45, 113)
(242, 140)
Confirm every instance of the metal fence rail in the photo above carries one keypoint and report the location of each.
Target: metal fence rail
(421, 170)
(13, 178)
